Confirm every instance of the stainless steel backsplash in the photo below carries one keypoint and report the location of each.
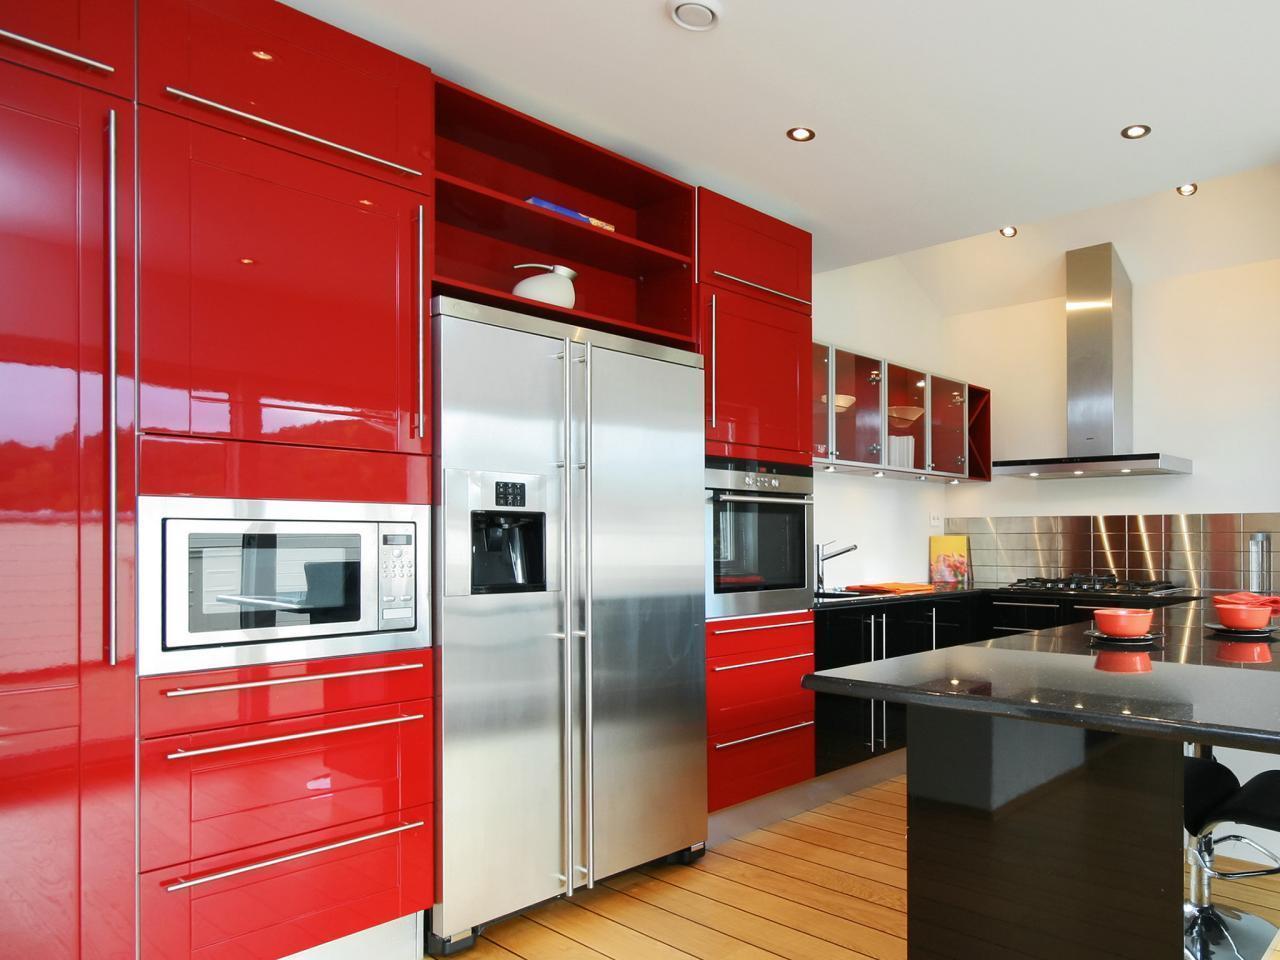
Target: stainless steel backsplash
(1200, 550)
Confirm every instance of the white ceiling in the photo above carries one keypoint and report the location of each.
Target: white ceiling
(936, 119)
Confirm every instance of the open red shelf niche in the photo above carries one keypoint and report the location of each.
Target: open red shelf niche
(979, 433)
(489, 158)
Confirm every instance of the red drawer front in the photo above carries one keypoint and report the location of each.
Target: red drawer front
(205, 794)
(182, 703)
(265, 59)
(191, 467)
(745, 635)
(97, 30)
(743, 250)
(746, 690)
(276, 910)
(739, 768)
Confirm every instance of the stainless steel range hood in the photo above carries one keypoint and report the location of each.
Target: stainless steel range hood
(1099, 379)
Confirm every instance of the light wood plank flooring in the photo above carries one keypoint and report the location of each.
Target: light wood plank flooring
(827, 884)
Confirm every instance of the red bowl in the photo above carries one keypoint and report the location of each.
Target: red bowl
(1236, 652)
(1123, 661)
(1239, 616)
(1123, 621)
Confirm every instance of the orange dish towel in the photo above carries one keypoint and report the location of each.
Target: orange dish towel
(895, 588)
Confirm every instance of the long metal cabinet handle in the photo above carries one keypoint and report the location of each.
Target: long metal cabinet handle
(113, 370)
(422, 323)
(760, 663)
(310, 137)
(933, 625)
(872, 742)
(588, 751)
(288, 858)
(566, 572)
(57, 51)
(749, 498)
(225, 687)
(714, 365)
(1011, 603)
(761, 736)
(767, 626)
(267, 741)
(884, 704)
(761, 286)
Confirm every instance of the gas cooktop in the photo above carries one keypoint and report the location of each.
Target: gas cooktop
(1094, 584)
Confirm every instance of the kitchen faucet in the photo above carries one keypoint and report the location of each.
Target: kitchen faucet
(822, 555)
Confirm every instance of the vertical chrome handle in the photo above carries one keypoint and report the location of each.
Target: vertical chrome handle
(713, 360)
(422, 323)
(933, 625)
(884, 704)
(109, 427)
(872, 744)
(588, 752)
(566, 587)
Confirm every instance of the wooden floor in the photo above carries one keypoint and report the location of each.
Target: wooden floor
(828, 884)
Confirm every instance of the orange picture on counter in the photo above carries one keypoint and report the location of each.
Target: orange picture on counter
(949, 559)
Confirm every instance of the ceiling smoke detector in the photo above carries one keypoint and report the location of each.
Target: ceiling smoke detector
(698, 15)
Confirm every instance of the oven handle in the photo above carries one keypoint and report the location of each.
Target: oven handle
(747, 498)
(268, 602)
(226, 687)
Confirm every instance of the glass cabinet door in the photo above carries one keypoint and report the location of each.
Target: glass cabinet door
(905, 415)
(821, 406)
(859, 409)
(948, 412)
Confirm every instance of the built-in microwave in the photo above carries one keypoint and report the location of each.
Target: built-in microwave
(759, 538)
(226, 583)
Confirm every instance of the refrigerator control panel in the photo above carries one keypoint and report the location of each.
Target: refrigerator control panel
(508, 494)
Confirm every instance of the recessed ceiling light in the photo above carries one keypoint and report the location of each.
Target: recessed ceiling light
(922, 477)
(1187, 189)
(696, 15)
(955, 483)
(830, 469)
(1009, 231)
(262, 55)
(801, 134)
(878, 473)
(1135, 131)
(1126, 470)
(1078, 473)
(1033, 474)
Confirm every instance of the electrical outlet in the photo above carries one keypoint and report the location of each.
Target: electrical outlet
(935, 519)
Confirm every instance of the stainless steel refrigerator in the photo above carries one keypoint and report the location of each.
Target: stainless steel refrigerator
(569, 597)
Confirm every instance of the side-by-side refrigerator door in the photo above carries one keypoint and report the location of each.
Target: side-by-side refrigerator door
(502, 798)
(642, 583)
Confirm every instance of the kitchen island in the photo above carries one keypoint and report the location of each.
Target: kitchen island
(1045, 781)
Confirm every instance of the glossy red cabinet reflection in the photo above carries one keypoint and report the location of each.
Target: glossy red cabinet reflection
(281, 296)
(86, 41)
(339, 98)
(758, 378)
(66, 760)
(759, 759)
(753, 253)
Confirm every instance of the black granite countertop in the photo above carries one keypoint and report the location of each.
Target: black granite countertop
(1191, 692)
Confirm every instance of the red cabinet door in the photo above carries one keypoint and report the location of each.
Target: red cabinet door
(759, 759)
(88, 41)
(758, 379)
(67, 821)
(264, 70)
(750, 252)
(282, 298)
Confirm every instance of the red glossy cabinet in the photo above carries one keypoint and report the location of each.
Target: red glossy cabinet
(753, 253)
(86, 41)
(759, 717)
(264, 70)
(282, 298)
(758, 378)
(66, 756)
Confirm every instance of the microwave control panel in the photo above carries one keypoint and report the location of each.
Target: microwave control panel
(397, 576)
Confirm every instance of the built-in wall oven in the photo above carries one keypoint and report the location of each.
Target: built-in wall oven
(759, 538)
(227, 583)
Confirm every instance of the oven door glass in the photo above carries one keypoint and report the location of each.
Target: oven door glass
(254, 582)
(758, 546)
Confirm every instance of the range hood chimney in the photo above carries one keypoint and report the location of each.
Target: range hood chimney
(1099, 379)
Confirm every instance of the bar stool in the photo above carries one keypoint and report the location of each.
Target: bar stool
(1213, 796)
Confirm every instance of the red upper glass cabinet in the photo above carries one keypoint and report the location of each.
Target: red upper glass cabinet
(283, 299)
(821, 401)
(87, 41)
(758, 378)
(906, 446)
(859, 408)
(948, 420)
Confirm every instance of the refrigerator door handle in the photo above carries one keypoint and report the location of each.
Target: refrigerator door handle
(588, 751)
(566, 586)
